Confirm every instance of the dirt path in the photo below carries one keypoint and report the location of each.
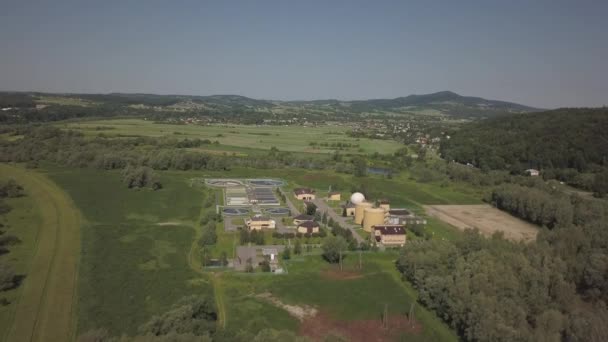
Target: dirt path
(195, 264)
(46, 309)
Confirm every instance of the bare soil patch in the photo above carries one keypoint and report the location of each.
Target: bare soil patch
(319, 327)
(334, 273)
(164, 224)
(302, 312)
(485, 218)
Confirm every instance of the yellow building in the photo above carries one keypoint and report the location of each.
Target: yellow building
(384, 204)
(308, 227)
(334, 196)
(390, 235)
(260, 222)
(304, 194)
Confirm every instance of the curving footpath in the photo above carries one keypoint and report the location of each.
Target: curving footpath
(46, 309)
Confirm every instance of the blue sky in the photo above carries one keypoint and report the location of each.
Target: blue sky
(540, 53)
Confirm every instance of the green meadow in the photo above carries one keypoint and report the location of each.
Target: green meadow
(247, 137)
(135, 247)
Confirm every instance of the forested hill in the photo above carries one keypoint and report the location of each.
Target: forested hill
(444, 104)
(449, 103)
(558, 139)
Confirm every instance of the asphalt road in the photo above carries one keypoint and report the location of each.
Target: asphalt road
(343, 221)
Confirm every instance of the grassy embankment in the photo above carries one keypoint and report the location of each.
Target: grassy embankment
(43, 307)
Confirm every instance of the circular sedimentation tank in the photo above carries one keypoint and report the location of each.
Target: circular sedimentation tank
(359, 211)
(372, 217)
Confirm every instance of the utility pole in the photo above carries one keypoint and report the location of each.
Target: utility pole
(385, 317)
(410, 316)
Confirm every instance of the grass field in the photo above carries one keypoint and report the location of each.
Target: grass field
(285, 138)
(361, 296)
(132, 267)
(44, 304)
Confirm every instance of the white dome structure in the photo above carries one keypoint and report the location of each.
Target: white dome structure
(357, 198)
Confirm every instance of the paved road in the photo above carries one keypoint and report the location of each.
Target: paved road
(293, 208)
(343, 221)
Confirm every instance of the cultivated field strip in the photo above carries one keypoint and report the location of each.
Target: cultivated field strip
(46, 307)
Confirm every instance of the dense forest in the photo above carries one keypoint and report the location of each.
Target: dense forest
(553, 289)
(566, 144)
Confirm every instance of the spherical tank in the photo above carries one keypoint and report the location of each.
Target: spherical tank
(359, 211)
(357, 198)
(372, 217)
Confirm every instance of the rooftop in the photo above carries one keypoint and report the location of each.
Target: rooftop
(304, 217)
(260, 218)
(303, 191)
(399, 212)
(309, 224)
(390, 229)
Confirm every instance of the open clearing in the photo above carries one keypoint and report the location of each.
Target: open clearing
(485, 218)
(45, 308)
(285, 138)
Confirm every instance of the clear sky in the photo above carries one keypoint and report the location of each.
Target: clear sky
(540, 53)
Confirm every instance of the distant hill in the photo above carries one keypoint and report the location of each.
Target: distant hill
(568, 138)
(444, 103)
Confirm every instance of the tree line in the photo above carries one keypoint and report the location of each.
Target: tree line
(569, 145)
(9, 279)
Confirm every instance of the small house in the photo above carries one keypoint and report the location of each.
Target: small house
(349, 209)
(308, 227)
(298, 220)
(532, 172)
(333, 196)
(304, 194)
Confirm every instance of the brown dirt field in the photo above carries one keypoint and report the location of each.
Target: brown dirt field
(485, 218)
(336, 274)
(319, 327)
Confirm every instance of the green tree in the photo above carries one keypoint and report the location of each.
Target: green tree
(265, 266)
(287, 253)
(360, 166)
(600, 183)
(334, 248)
(224, 259)
(297, 249)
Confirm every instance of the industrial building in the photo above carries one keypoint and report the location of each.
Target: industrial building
(390, 235)
(259, 222)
